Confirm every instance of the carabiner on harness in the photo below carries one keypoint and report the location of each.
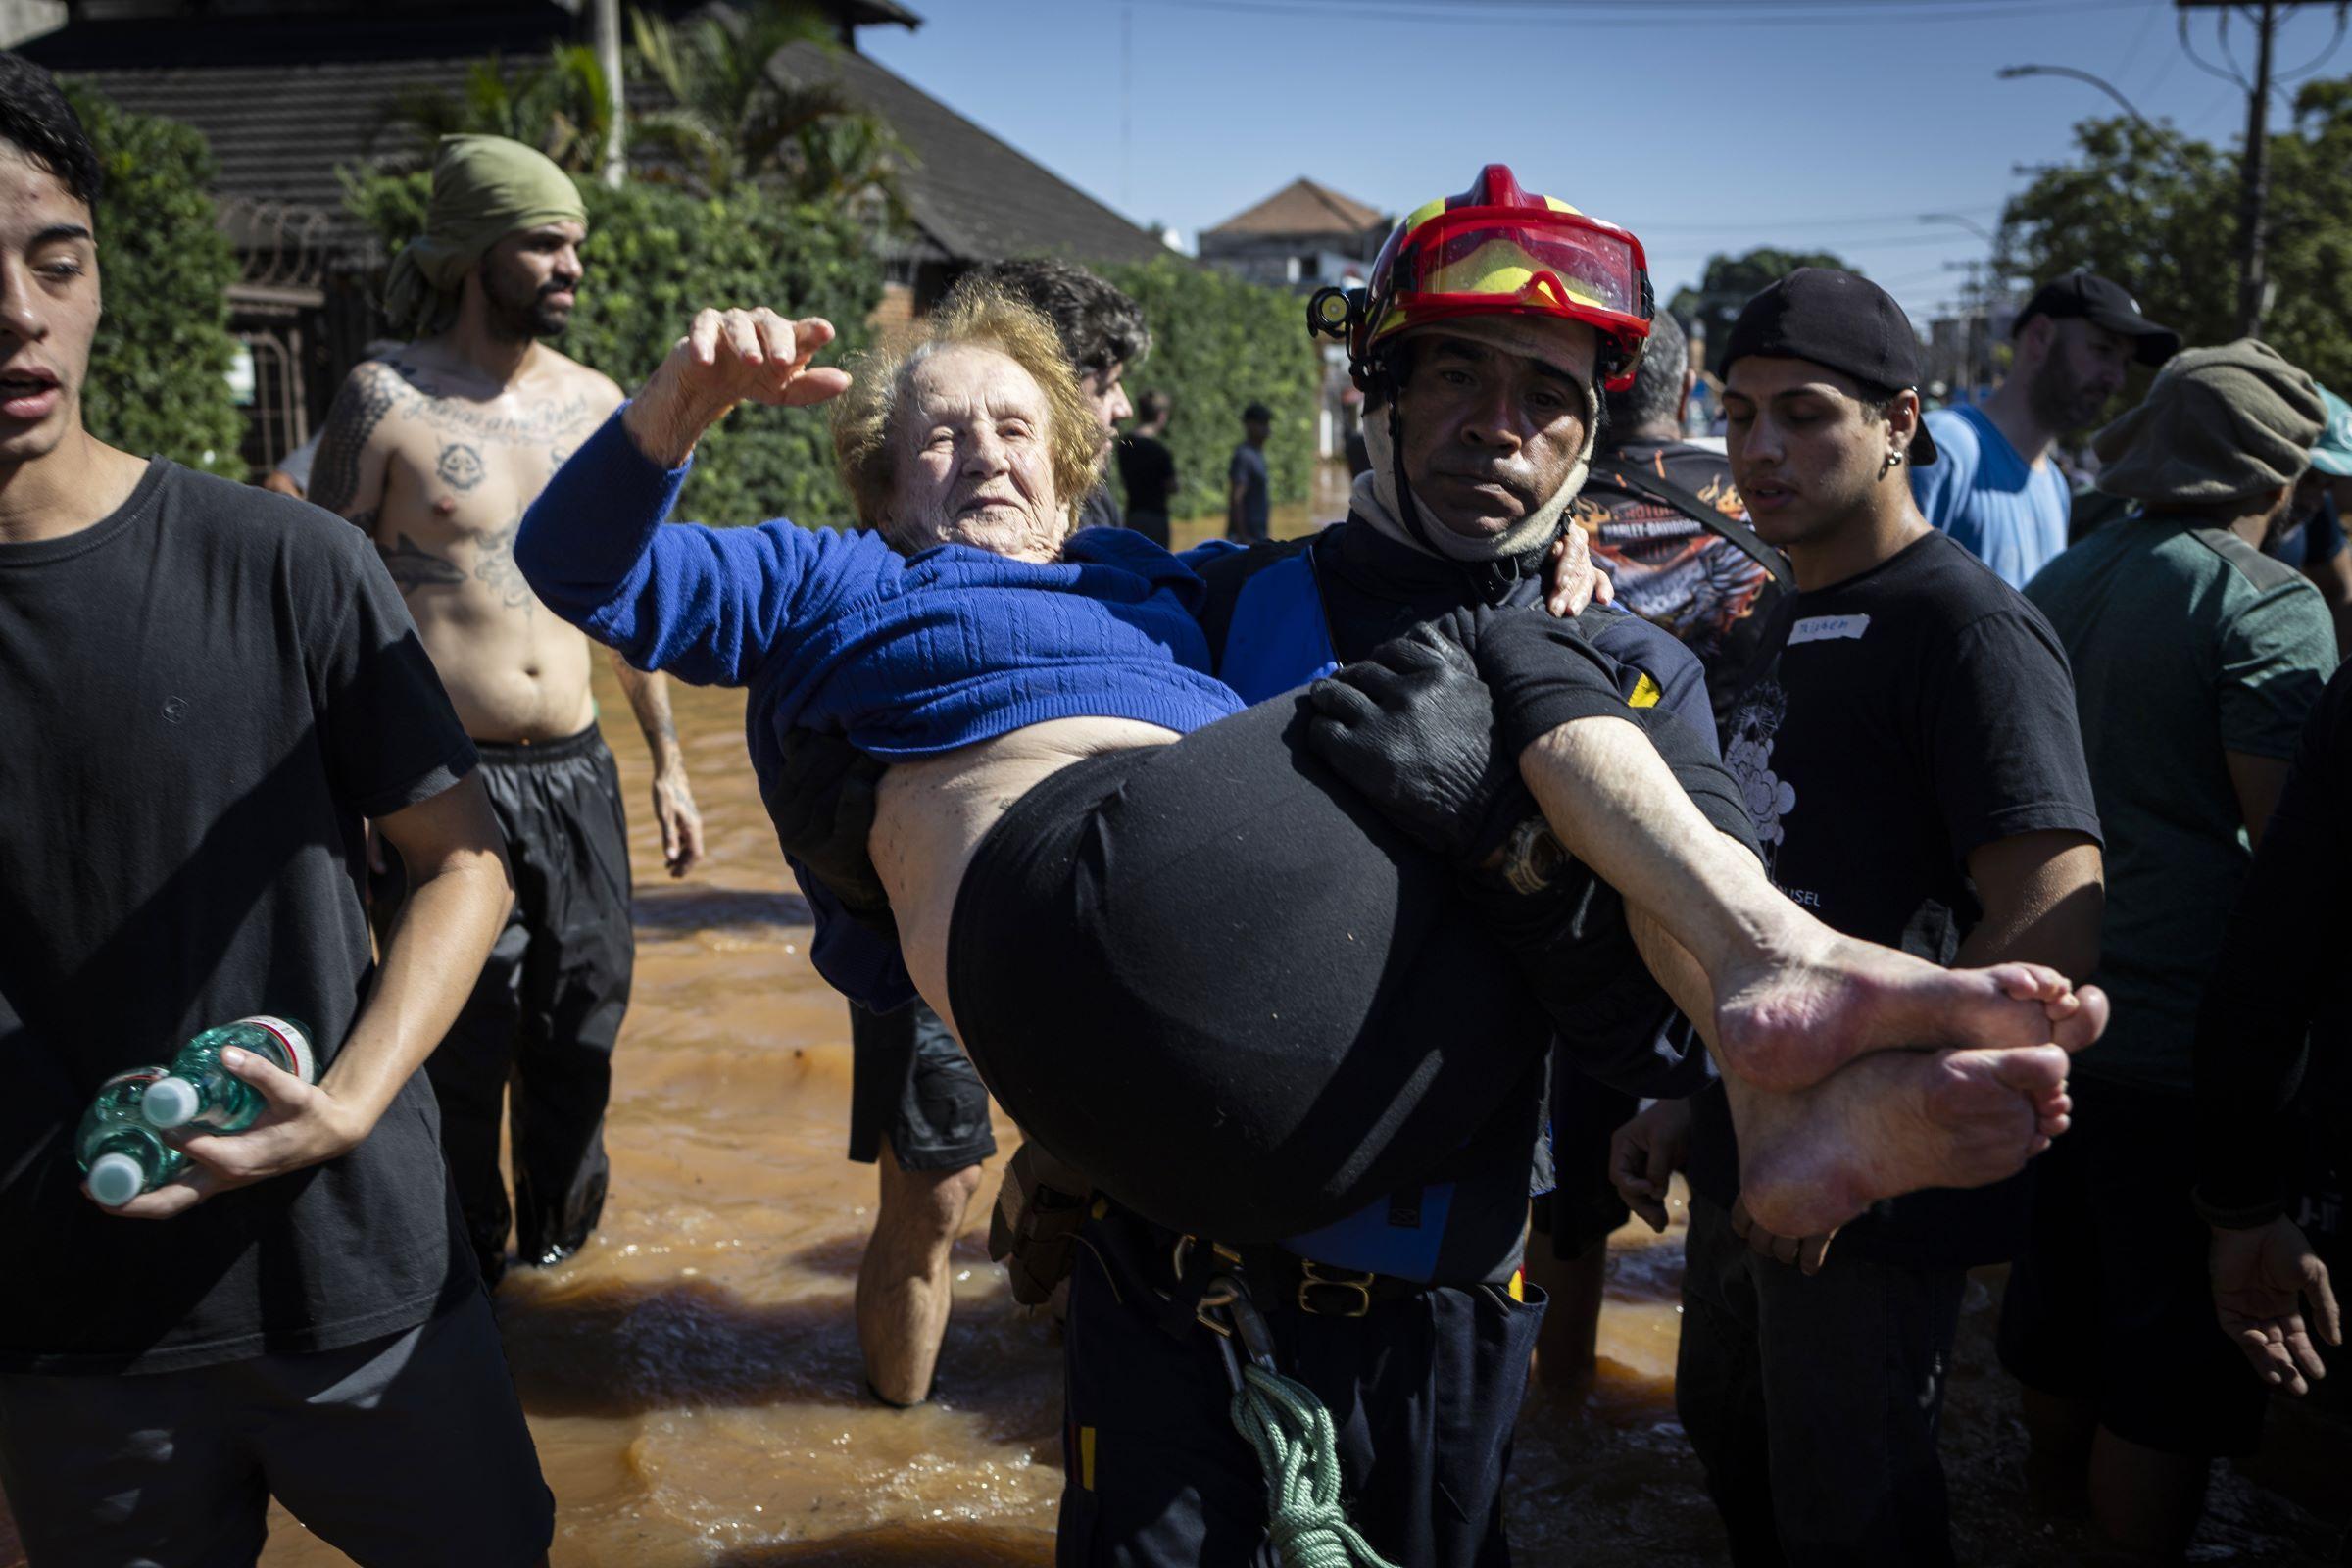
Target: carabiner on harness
(1297, 1444)
(1227, 1311)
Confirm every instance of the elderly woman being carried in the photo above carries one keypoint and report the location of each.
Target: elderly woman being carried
(1185, 954)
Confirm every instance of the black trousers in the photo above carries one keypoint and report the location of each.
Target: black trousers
(1583, 1207)
(1215, 978)
(1424, 1392)
(1814, 1402)
(534, 1041)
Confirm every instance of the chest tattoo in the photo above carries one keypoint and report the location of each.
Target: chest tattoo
(460, 467)
(496, 569)
(469, 426)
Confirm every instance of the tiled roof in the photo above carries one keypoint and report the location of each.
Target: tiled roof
(973, 197)
(1304, 207)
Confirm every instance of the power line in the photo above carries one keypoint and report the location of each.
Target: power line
(1743, 6)
(1792, 234)
(1839, 13)
(2334, 42)
(1933, 274)
(2201, 62)
(2145, 28)
(1721, 226)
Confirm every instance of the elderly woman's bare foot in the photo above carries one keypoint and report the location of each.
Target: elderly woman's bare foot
(1893, 1123)
(1788, 1023)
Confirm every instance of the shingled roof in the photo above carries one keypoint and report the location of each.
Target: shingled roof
(280, 131)
(1303, 207)
(280, 128)
(972, 197)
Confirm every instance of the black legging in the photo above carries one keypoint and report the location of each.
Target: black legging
(1212, 977)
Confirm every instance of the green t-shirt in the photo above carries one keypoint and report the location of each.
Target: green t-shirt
(2186, 643)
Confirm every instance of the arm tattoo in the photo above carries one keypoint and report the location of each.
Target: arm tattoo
(413, 566)
(359, 409)
(648, 693)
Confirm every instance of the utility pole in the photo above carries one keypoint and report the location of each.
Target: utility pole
(616, 92)
(2254, 162)
(2254, 191)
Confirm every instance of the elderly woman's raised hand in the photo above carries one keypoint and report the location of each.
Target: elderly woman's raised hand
(726, 358)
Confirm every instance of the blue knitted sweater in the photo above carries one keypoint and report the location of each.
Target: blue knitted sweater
(907, 656)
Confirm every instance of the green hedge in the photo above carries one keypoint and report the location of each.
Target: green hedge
(159, 370)
(1218, 345)
(655, 256)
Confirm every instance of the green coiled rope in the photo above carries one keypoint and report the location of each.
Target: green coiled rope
(1299, 1449)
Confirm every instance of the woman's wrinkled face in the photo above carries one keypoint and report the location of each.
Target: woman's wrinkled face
(974, 465)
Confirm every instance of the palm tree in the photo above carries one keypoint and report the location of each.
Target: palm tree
(558, 105)
(737, 118)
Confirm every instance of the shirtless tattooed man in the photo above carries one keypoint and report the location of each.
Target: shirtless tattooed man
(435, 451)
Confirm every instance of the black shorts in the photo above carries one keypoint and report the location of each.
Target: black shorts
(911, 1083)
(1583, 1208)
(530, 1053)
(1213, 977)
(2112, 1303)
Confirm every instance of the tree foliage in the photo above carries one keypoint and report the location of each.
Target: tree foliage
(558, 105)
(734, 117)
(727, 114)
(2157, 212)
(158, 380)
(1218, 345)
(1728, 282)
(655, 255)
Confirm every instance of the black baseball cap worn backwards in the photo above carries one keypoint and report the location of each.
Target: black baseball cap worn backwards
(1841, 321)
(2102, 303)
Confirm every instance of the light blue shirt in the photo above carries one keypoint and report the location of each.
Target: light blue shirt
(2010, 514)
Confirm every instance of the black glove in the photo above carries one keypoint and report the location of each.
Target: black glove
(1412, 728)
(823, 805)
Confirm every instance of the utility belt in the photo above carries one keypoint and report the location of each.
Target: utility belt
(1189, 1287)
(1280, 1278)
(1044, 1202)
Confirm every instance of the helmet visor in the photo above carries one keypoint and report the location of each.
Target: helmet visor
(1483, 257)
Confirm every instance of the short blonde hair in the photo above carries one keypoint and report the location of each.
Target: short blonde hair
(866, 423)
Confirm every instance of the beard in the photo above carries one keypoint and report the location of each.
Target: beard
(2060, 401)
(520, 312)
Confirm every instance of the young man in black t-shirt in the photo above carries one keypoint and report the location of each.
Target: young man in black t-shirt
(207, 688)
(1914, 768)
(1669, 528)
(1660, 513)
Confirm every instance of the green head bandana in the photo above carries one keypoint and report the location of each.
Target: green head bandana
(484, 188)
(2218, 424)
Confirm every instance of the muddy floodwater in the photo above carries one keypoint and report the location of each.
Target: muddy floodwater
(693, 1379)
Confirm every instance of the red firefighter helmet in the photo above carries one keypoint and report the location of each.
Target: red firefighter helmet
(1496, 249)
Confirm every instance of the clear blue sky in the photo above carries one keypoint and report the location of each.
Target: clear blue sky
(1701, 125)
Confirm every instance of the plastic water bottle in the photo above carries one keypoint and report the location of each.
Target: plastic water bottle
(119, 1150)
(202, 1093)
